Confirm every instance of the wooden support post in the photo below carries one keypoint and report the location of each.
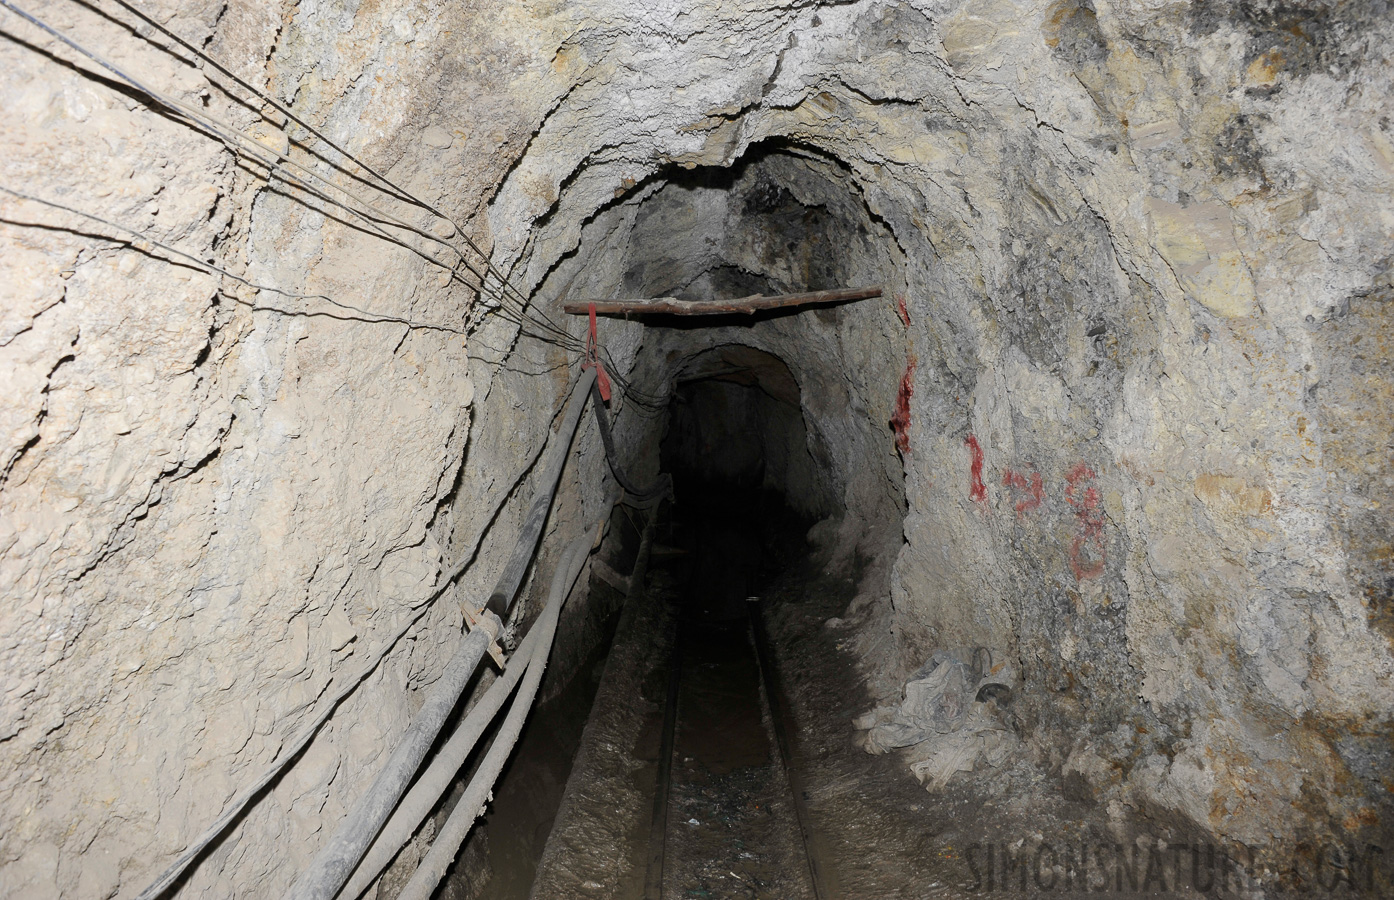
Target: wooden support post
(670, 306)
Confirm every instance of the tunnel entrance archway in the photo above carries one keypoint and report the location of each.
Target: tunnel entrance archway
(736, 424)
(784, 218)
(777, 431)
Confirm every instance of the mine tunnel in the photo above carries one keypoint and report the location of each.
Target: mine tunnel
(864, 450)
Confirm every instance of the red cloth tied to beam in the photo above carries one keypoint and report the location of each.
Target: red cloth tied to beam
(593, 359)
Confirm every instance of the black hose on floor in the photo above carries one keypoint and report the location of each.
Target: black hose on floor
(336, 859)
(480, 790)
(440, 774)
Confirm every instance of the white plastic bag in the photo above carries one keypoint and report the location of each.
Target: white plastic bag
(944, 716)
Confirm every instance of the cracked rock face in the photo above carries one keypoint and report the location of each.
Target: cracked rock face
(1135, 336)
(1139, 449)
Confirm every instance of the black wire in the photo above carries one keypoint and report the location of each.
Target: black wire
(510, 316)
(392, 188)
(661, 486)
(372, 224)
(386, 186)
(652, 402)
(34, 20)
(251, 149)
(509, 302)
(359, 314)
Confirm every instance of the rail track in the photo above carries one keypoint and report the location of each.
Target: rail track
(785, 766)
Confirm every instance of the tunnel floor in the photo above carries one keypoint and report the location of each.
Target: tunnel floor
(730, 828)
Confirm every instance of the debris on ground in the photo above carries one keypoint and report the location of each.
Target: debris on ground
(950, 716)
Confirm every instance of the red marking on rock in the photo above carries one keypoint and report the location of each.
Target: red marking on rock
(904, 313)
(900, 420)
(1084, 497)
(1035, 488)
(1076, 474)
(978, 490)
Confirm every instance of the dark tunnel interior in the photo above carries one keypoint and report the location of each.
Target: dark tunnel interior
(696, 451)
(762, 461)
(733, 434)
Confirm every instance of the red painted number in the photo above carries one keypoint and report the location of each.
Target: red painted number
(1087, 548)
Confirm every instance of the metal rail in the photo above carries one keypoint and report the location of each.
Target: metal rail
(820, 875)
(658, 823)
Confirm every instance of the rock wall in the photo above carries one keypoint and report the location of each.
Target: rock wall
(1140, 377)
(218, 502)
(1143, 251)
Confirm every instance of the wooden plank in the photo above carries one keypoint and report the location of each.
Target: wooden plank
(670, 306)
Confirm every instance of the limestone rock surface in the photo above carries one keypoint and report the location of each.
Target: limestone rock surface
(1135, 336)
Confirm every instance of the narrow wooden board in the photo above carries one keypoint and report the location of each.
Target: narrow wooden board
(671, 306)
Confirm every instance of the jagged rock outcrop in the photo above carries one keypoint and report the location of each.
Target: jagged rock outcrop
(1144, 255)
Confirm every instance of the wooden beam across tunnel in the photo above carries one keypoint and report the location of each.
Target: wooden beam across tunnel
(671, 306)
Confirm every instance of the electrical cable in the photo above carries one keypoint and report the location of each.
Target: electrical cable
(241, 801)
(391, 188)
(224, 131)
(138, 237)
(650, 401)
(388, 187)
(228, 135)
(531, 532)
(440, 774)
(649, 404)
(249, 147)
(332, 864)
(457, 826)
(239, 804)
(662, 486)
